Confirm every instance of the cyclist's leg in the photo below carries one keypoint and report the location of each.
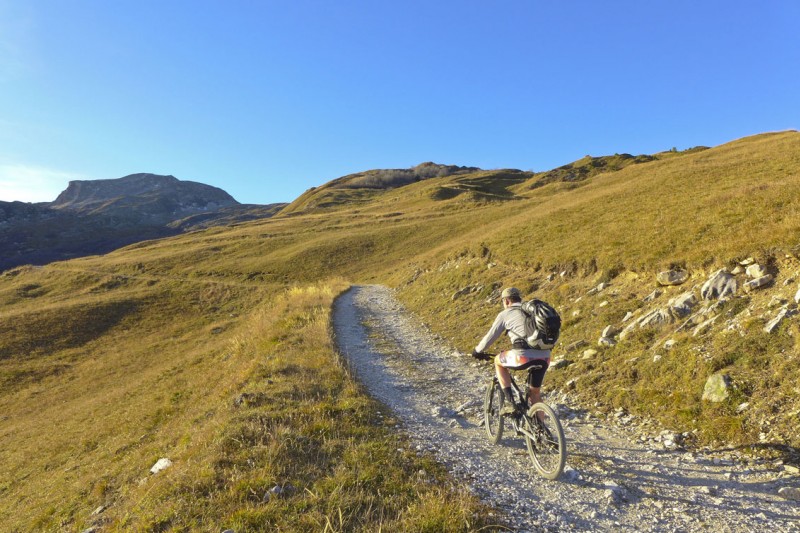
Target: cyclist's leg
(535, 378)
(502, 374)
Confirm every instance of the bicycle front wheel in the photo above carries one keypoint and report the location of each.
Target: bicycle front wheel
(548, 448)
(492, 403)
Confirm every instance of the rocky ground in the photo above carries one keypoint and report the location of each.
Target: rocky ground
(622, 474)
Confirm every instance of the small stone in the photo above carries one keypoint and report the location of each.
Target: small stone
(561, 363)
(652, 296)
(590, 353)
(606, 341)
(791, 469)
(789, 493)
(742, 407)
(656, 358)
(609, 331)
(672, 277)
(99, 510)
(758, 283)
(716, 388)
(603, 303)
(576, 345)
(628, 316)
(670, 344)
(160, 465)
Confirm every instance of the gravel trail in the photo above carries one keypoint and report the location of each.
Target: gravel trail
(616, 479)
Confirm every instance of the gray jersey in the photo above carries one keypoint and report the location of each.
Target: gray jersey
(512, 320)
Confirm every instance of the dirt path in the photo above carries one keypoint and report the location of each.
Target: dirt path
(614, 480)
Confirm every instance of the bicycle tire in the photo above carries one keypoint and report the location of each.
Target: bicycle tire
(492, 403)
(548, 452)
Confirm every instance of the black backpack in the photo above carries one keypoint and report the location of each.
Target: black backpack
(542, 324)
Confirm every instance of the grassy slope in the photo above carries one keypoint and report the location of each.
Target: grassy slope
(115, 361)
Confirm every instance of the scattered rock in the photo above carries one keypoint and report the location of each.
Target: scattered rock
(99, 510)
(652, 296)
(442, 412)
(704, 327)
(773, 324)
(747, 262)
(279, 491)
(756, 271)
(672, 277)
(610, 331)
(720, 286)
(716, 388)
(758, 283)
(797, 297)
(670, 344)
(576, 345)
(560, 363)
(628, 316)
(742, 407)
(791, 469)
(161, 464)
(657, 317)
(590, 353)
(682, 305)
(789, 493)
(606, 341)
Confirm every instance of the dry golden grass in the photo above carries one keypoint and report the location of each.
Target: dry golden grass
(108, 363)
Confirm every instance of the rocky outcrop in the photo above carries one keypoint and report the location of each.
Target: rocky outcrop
(95, 217)
(720, 286)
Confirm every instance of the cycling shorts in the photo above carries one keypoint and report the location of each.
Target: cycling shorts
(523, 359)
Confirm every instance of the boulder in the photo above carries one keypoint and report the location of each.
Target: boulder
(721, 285)
(682, 305)
(756, 271)
(716, 389)
(672, 277)
(758, 283)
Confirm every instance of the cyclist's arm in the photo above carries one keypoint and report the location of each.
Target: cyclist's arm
(497, 329)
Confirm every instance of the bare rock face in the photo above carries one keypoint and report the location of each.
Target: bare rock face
(672, 277)
(720, 286)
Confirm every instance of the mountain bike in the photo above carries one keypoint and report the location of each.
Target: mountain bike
(538, 424)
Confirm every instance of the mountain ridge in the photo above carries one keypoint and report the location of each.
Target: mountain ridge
(96, 216)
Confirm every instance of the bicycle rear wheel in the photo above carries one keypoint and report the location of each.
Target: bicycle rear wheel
(548, 450)
(492, 402)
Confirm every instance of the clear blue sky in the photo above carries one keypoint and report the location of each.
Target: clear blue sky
(266, 99)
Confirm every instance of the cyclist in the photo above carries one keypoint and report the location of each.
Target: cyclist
(512, 320)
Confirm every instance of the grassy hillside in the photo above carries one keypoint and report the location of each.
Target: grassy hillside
(189, 347)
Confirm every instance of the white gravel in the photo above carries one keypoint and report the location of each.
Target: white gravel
(613, 480)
